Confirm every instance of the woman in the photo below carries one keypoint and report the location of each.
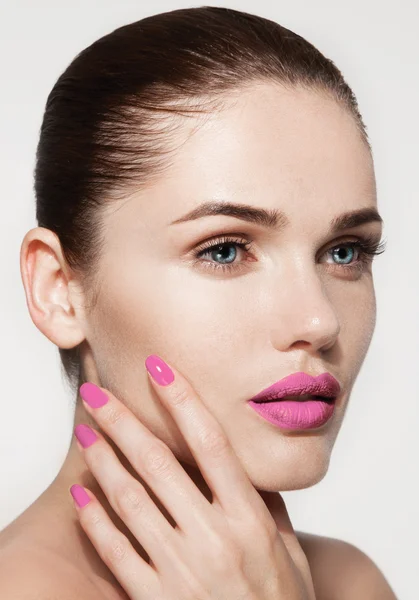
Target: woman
(205, 198)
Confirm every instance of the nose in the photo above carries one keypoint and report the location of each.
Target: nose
(305, 315)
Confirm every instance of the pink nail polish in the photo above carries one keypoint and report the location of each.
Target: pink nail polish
(85, 435)
(80, 495)
(93, 395)
(159, 370)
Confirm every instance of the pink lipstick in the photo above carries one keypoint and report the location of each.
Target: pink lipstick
(298, 401)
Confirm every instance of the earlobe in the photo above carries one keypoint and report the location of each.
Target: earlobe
(46, 278)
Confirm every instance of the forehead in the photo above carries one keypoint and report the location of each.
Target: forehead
(293, 149)
(269, 135)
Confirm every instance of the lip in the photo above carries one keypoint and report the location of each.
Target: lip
(291, 414)
(298, 384)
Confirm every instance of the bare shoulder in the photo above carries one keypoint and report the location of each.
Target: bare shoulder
(341, 570)
(28, 573)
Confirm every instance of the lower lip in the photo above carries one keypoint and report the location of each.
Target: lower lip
(294, 414)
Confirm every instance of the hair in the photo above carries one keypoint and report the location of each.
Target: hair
(105, 131)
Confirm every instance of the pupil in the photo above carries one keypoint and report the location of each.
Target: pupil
(219, 251)
(344, 250)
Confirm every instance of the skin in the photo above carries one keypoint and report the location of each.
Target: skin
(231, 334)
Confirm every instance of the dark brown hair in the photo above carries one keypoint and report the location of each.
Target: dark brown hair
(105, 131)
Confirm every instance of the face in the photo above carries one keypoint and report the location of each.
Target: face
(236, 319)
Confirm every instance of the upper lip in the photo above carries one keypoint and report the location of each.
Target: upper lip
(298, 384)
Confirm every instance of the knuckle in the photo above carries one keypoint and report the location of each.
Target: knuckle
(214, 442)
(114, 415)
(99, 456)
(158, 460)
(130, 499)
(116, 550)
(179, 395)
(91, 519)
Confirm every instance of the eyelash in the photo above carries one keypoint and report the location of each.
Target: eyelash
(367, 245)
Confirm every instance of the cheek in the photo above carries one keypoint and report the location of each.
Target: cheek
(168, 311)
(202, 325)
(208, 327)
(357, 315)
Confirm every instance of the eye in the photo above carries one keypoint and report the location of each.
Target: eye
(224, 249)
(366, 248)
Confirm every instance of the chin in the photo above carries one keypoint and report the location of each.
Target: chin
(294, 482)
(289, 473)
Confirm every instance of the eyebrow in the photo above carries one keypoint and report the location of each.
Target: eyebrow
(275, 218)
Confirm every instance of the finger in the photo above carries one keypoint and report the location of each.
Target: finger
(151, 459)
(206, 438)
(138, 579)
(277, 508)
(128, 498)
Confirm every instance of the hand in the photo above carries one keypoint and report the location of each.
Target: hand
(230, 548)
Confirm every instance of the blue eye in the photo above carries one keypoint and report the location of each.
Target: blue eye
(346, 249)
(225, 256)
(225, 250)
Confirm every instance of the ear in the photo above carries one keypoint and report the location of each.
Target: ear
(53, 298)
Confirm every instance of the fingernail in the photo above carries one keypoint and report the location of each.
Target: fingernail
(159, 370)
(79, 495)
(93, 395)
(85, 435)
